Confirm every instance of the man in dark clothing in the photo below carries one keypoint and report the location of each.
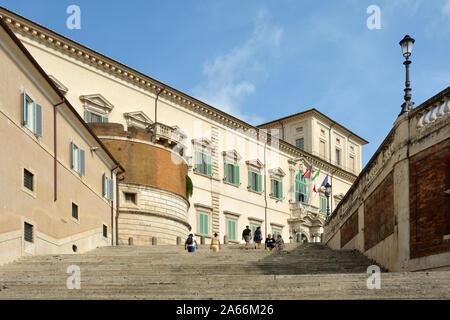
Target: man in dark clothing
(246, 235)
(270, 242)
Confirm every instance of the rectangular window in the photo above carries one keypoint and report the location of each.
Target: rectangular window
(93, 117)
(28, 178)
(232, 173)
(31, 115)
(254, 227)
(352, 163)
(105, 231)
(275, 233)
(203, 163)
(322, 149)
(130, 197)
(78, 159)
(300, 143)
(277, 189)
(107, 187)
(203, 223)
(338, 157)
(323, 205)
(231, 229)
(254, 181)
(28, 232)
(74, 211)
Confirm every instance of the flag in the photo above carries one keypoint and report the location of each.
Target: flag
(314, 179)
(307, 174)
(324, 183)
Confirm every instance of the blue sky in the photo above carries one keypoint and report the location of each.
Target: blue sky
(261, 60)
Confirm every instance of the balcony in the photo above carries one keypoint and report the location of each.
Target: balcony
(169, 136)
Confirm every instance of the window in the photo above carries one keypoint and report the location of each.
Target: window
(74, 211)
(338, 156)
(32, 115)
(130, 197)
(322, 148)
(231, 229)
(28, 178)
(28, 232)
(300, 143)
(93, 117)
(232, 173)
(277, 189)
(105, 231)
(203, 163)
(323, 205)
(352, 163)
(254, 227)
(107, 187)
(275, 233)
(203, 223)
(78, 159)
(301, 189)
(254, 181)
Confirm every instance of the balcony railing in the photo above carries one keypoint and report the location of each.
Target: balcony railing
(164, 132)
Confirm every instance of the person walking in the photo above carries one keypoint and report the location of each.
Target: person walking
(215, 243)
(258, 237)
(279, 244)
(246, 235)
(190, 244)
(270, 243)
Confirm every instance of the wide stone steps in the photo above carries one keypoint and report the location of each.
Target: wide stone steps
(311, 271)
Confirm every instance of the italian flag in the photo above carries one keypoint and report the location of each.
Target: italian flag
(314, 179)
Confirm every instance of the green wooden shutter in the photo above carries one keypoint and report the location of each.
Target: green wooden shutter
(24, 108)
(87, 116)
(226, 172)
(250, 180)
(236, 175)
(104, 119)
(82, 162)
(37, 119)
(197, 161)
(259, 181)
(208, 165)
(280, 190)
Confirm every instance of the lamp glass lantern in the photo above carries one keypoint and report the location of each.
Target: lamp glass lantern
(328, 188)
(407, 43)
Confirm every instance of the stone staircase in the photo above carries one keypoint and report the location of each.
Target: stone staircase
(307, 271)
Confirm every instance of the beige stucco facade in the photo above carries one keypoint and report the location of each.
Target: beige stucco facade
(44, 205)
(104, 87)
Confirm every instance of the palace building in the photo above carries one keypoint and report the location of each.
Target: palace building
(170, 144)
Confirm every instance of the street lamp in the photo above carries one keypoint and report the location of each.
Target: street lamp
(327, 194)
(407, 43)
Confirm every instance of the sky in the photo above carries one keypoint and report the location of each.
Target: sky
(261, 60)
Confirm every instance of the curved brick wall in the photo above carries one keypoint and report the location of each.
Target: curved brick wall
(145, 164)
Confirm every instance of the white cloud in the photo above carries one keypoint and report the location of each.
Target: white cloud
(232, 76)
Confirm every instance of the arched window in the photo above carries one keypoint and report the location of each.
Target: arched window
(301, 188)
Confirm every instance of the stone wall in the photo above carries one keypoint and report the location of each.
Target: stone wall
(397, 211)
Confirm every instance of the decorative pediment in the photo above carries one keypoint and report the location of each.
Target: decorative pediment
(277, 172)
(137, 119)
(58, 84)
(256, 164)
(202, 143)
(97, 101)
(231, 156)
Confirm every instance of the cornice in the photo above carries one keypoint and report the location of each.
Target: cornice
(51, 39)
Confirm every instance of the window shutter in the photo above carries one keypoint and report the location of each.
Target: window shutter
(250, 180)
(38, 119)
(207, 223)
(208, 165)
(72, 154)
(258, 178)
(280, 190)
(104, 182)
(104, 119)
(82, 162)
(198, 161)
(236, 174)
(226, 172)
(24, 108)
(272, 182)
(87, 116)
(111, 189)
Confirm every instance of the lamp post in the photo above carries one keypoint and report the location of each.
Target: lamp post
(406, 44)
(327, 194)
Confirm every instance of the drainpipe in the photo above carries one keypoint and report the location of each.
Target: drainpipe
(112, 207)
(55, 165)
(156, 113)
(265, 188)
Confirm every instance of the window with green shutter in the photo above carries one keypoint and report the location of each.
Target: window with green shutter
(31, 114)
(255, 181)
(203, 223)
(254, 227)
(277, 189)
(323, 204)
(232, 173)
(203, 163)
(231, 229)
(275, 233)
(301, 189)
